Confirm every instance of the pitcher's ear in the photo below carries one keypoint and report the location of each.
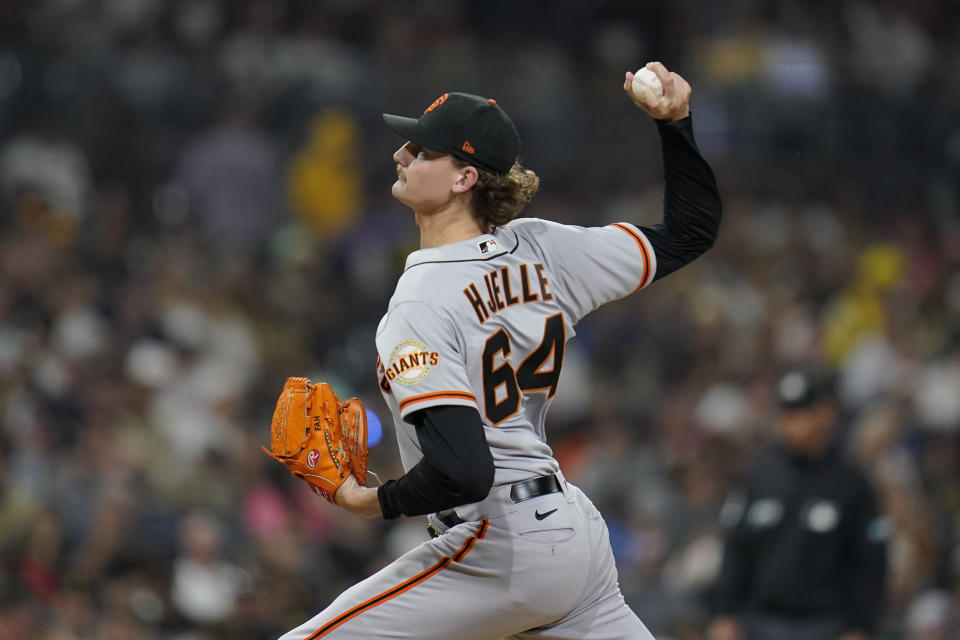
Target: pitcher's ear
(468, 177)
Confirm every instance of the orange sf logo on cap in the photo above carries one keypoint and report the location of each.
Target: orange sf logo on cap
(436, 103)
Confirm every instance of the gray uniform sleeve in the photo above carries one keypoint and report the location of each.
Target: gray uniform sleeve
(422, 359)
(591, 266)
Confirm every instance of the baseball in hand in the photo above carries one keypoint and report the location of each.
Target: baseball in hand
(646, 78)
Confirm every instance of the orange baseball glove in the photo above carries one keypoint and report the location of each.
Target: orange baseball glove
(319, 438)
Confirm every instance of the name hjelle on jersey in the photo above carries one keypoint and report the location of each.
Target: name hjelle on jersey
(500, 287)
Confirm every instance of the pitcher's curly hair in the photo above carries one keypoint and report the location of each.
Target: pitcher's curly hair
(496, 200)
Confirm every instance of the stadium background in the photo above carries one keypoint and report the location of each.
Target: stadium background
(195, 205)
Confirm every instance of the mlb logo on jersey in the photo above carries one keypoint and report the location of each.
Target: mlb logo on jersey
(488, 245)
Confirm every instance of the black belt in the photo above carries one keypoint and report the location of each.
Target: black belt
(520, 491)
(534, 487)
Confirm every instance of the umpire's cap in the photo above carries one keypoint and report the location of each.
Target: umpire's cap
(800, 389)
(471, 128)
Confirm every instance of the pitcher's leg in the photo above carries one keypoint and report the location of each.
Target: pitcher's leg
(607, 619)
(436, 591)
(602, 614)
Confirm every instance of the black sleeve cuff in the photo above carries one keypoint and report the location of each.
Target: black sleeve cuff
(388, 502)
(456, 468)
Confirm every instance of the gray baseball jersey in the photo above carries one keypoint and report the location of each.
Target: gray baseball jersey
(483, 323)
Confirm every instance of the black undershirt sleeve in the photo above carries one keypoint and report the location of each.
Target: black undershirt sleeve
(457, 465)
(691, 201)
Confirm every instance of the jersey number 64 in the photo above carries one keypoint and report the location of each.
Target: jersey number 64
(529, 376)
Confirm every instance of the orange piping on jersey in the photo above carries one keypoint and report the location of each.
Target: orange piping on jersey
(459, 395)
(403, 586)
(643, 250)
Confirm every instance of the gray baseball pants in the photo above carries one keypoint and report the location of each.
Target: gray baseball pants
(541, 569)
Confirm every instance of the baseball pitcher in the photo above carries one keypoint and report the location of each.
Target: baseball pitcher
(470, 353)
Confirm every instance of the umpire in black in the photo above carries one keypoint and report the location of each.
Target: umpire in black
(805, 544)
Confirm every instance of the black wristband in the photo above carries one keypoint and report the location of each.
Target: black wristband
(387, 499)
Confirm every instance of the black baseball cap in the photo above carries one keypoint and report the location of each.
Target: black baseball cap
(471, 128)
(801, 389)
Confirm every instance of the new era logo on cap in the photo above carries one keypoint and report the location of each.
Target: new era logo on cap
(466, 126)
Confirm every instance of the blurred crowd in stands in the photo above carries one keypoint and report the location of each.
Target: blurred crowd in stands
(195, 205)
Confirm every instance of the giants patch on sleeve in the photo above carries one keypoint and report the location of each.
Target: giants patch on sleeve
(410, 362)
